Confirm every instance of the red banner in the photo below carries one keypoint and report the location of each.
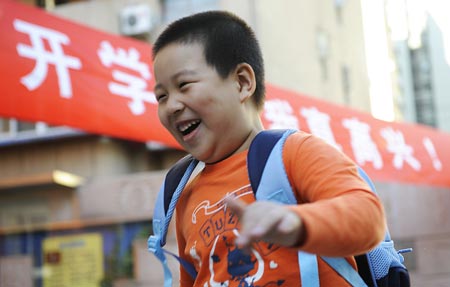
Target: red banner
(63, 73)
(395, 152)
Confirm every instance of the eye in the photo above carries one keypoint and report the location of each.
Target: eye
(160, 97)
(183, 84)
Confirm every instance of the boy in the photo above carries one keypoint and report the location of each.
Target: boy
(210, 90)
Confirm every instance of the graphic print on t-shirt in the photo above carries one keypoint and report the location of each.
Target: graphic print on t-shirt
(218, 229)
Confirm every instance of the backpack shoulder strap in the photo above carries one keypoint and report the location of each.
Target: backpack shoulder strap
(266, 151)
(174, 183)
(269, 181)
(173, 178)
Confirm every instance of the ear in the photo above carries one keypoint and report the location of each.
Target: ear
(246, 81)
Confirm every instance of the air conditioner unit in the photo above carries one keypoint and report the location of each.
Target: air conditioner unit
(135, 19)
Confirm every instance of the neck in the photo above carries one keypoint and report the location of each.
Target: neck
(256, 128)
(244, 146)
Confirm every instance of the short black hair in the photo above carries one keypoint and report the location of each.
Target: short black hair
(227, 41)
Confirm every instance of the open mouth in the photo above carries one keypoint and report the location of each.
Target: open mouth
(188, 127)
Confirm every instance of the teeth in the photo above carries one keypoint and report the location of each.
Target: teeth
(184, 127)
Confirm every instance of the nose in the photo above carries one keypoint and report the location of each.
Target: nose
(174, 104)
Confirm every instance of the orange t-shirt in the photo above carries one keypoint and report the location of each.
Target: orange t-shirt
(342, 217)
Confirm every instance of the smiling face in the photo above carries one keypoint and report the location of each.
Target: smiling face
(210, 116)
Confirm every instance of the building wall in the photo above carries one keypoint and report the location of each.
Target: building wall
(36, 207)
(403, 85)
(289, 35)
(103, 14)
(418, 218)
(422, 66)
(306, 46)
(440, 72)
(86, 156)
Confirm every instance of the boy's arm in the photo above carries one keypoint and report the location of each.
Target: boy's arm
(340, 215)
(337, 215)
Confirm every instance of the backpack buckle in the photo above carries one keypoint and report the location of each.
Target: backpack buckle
(154, 244)
(406, 250)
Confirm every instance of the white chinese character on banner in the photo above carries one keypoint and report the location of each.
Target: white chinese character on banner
(437, 164)
(397, 146)
(44, 58)
(319, 125)
(126, 84)
(362, 144)
(280, 114)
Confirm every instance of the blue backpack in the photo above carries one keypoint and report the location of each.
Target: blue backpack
(381, 267)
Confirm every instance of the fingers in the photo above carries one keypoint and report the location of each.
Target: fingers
(292, 226)
(248, 232)
(266, 221)
(237, 206)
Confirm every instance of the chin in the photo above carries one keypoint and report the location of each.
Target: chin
(201, 156)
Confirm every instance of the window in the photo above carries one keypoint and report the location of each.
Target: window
(423, 86)
(323, 49)
(52, 3)
(338, 6)
(174, 9)
(346, 84)
(13, 127)
(13, 131)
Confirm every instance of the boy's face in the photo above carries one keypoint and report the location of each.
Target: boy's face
(204, 112)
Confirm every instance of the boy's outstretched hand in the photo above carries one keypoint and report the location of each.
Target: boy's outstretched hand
(266, 221)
